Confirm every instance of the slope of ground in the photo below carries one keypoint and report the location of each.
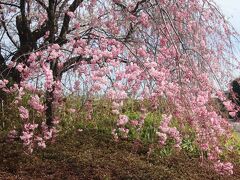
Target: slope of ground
(94, 155)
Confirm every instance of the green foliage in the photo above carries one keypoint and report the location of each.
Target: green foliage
(9, 117)
(189, 146)
(150, 127)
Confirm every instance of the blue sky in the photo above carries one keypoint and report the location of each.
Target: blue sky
(231, 10)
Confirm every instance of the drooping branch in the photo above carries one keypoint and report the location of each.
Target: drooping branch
(24, 21)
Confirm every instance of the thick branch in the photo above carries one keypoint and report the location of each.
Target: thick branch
(38, 33)
(66, 19)
(71, 62)
(23, 27)
(135, 10)
(2, 60)
(51, 20)
(63, 5)
(3, 67)
(22, 8)
(42, 4)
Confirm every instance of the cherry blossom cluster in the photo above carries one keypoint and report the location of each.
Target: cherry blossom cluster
(224, 168)
(165, 131)
(124, 124)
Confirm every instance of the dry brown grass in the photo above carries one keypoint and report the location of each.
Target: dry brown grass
(94, 155)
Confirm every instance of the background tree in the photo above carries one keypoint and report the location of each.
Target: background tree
(234, 94)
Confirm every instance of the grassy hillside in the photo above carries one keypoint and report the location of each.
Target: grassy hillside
(85, 148)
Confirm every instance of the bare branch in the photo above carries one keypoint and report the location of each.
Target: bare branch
(10, 4)
(2, 20)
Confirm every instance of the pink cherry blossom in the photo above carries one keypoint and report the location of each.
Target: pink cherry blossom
(36, 104)
(24, 114)
(123, 119)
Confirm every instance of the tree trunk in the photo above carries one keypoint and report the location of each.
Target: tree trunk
(49, 111)
(53, 65)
